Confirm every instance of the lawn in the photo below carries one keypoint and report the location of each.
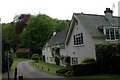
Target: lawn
(50, 68)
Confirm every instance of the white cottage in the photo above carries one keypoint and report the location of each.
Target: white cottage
(87, 30)
(56, 48)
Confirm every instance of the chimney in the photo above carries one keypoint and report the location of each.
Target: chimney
(108, 14)
(54, 33)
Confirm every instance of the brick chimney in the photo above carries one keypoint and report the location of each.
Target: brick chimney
(109, 14)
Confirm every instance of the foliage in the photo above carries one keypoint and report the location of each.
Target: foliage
(35, 57)
(5, 58)
(108, 56)
(62, 71)
(84, 69)
(57, 61)
(9, 35)
(88, 60)
(61, 24)
(21, 22)
(37, 32)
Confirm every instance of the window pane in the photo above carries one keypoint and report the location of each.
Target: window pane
(116, 34)
(107, 34)
(112, 33)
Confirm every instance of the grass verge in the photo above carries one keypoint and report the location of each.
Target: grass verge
(15, 62)
(47, 67)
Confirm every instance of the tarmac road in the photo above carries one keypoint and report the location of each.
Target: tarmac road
(27, 71)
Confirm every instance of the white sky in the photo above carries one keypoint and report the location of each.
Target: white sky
(61, 9)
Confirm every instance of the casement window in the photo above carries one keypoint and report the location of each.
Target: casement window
(74, 60)
(78, 39)
(112, 33)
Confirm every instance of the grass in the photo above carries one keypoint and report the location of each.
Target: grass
(16, 61)
(47, 67)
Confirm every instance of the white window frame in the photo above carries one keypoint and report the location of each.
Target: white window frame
(74, 60)
(110, 39)
(78, 39)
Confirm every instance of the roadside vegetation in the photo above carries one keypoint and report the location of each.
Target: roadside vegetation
(47, 67)
(16, 61)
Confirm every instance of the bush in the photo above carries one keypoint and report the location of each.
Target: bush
(88, 60)
(84, 69)
(62, 71)
(35, 57)
(57, 61)
(5, 62)
(108, 57)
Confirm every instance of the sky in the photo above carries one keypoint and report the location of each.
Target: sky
(60, 9)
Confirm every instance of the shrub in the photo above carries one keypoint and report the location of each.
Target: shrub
(5, 62)
(88, 60)
(35, 57)
(57, 61)
(84, 69)
(62, 71)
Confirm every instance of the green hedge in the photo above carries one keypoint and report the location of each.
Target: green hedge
(84, 69)
(108, 57)
(35, 57)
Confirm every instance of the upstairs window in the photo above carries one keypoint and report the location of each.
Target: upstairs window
(78, 39)
(112, 34)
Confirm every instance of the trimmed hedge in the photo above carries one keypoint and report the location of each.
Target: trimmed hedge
(108, 57)
(35, 57)
(88, 60)
(84, 69)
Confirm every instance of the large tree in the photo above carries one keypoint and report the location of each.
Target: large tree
(9, 34)
(38, 31)
(61, 24)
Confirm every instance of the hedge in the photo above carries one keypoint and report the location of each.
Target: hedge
(108, 57)
(84, 69)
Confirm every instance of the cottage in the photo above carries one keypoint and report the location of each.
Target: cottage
(23, 53)
(55, 48)
(87, 30)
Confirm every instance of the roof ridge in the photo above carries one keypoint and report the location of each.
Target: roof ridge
(94, 15)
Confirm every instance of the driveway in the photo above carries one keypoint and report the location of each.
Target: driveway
(30, 72)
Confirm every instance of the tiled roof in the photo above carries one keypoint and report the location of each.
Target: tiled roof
(59, 38)
(91, 22)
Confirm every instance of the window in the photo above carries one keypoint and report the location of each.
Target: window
(74, 60)
(112, 33)
(78, 39)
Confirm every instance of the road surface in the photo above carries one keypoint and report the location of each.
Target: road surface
(30, 72)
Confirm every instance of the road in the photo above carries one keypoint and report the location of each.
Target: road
(30, 72)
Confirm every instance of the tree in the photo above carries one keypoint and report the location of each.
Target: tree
(9, 35)
(38, 31)
(61, 24)
(21, 22)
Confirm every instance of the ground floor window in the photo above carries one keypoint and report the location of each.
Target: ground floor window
(74, 60)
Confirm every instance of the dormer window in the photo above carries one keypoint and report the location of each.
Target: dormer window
(111, 33)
